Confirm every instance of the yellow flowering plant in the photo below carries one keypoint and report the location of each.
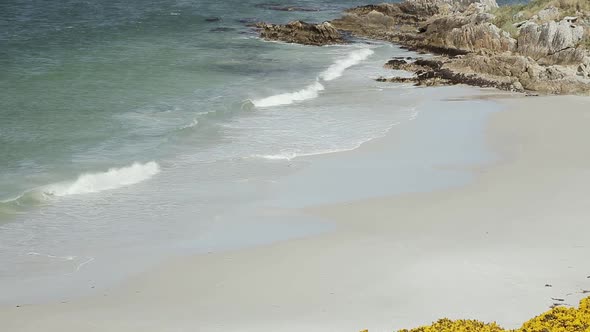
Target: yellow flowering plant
(558, 319)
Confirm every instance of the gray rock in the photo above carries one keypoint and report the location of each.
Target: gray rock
(519, 16)
(584, 68)
(553, 42)
(548, 14)
(434, 7)
(474, 37)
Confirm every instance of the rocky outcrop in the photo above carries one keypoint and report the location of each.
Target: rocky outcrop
(429, 72)
(477, 36)
(444, 7)
(546, 56)
(552, 42)
(522, 71)
(442, 26)
(301, 33)
(584, 68)
(503, 71)
(538, 54)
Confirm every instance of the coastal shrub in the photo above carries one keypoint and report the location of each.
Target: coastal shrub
(558, 319)
(561, 319)
(447, 325)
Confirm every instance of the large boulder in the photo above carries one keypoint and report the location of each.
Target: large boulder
(584, 68)
(302, 33)
(426, 8)
(474, 37)
(551, 42)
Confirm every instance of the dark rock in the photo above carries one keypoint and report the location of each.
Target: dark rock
(251, 22)
(222, 29)
(395, 63)
(301, 33)
(432, 72)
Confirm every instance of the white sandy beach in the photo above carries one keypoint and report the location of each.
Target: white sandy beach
(485, 250)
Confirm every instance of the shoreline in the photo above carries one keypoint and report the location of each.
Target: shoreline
(281, 218)
(379, 273)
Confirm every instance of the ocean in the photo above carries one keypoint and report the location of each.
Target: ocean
(129, 129)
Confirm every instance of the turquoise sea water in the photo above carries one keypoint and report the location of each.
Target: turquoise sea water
(128, 127)
(90, 86)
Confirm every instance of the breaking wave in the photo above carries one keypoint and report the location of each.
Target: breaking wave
(112, 179)
(311, 91)
(337, 68)
(85, 183)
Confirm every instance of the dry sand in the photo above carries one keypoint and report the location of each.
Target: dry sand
(485, 250)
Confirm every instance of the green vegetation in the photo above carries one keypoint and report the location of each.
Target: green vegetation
(586, 41)
(507, 16)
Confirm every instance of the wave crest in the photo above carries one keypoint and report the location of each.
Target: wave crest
(112, 179)
(311, 91)
(85, 183)
(337, 68)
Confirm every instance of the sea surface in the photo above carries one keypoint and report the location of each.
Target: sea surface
(132, 128)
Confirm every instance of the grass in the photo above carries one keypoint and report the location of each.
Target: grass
(506, 15)
(586, 41)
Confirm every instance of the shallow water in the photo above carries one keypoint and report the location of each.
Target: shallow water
(133, 129)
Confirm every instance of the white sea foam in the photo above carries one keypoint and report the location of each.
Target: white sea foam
(111, 179)
(311, 91)
(280, 156)
(288, 155)
(337, 68)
